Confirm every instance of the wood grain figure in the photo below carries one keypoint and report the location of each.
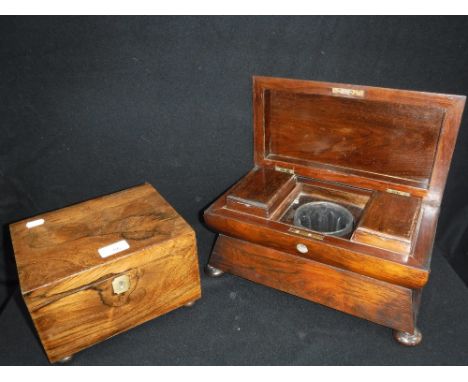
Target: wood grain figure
(69, 288)
(381, 154)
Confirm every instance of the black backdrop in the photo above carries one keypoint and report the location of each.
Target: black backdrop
(92, 105)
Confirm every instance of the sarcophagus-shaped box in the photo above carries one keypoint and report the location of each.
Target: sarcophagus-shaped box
(342, 204)
(98, 268)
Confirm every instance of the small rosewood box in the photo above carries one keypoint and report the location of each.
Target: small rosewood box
(342, 204)
(98, 268)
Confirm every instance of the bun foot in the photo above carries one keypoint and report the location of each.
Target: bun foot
(65, 360)
(189, 304)
(212, 271)
(408, 339)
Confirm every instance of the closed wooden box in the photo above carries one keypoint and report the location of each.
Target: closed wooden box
(98, 268)
(342, 204)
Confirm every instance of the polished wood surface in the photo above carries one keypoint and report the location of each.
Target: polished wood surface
(390, 222)
(67, 285)
(261, 191)
(383, 154)
(68, 241)
(71, 316)
(370, 139)
(355, 134)
(374, 262)
(350, 292)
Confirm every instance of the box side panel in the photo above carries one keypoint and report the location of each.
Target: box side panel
(161, 279)
(364, 297)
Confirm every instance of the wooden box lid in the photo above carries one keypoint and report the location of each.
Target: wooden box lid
(364, 136)
(68, 242)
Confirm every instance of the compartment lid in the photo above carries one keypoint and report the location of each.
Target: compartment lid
(65, 243)
(261, 191)
(365, 136)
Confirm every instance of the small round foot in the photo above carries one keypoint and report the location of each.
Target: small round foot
(189, 304)
(65, 360)
(408, 339)
(212, 271)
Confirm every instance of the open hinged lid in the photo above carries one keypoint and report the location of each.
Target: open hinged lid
(376, 138)
(79, 239)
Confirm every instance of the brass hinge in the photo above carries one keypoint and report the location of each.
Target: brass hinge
(402, 193)
(284, 169)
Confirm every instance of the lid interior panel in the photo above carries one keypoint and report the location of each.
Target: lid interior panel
(380, 139)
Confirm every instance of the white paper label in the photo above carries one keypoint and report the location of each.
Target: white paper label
(113, 248)
(34, 223)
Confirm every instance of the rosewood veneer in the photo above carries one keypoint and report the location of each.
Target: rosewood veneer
(380, 154)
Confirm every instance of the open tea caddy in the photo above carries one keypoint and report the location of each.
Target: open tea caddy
(342, 204)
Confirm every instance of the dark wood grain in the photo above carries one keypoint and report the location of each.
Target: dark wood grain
(390, 222)
(355, 134)
(386, 138)
(396, 268)
(67, 285)
(382, 153)
(261, 191)
(377, 301)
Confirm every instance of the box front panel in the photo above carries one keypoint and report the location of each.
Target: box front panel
(377, 301)
(382, 265)
(130, 292)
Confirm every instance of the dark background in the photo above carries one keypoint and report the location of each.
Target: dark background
(92, 105)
